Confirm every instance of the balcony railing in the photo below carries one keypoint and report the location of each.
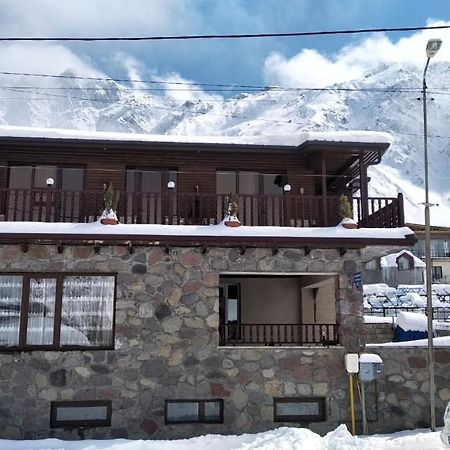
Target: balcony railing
(278, 334)
(295, 210)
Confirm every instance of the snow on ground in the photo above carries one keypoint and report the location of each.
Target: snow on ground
(443, 341)
(279, 439)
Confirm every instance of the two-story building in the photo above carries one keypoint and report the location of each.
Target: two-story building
(440, 250)
(171, 324)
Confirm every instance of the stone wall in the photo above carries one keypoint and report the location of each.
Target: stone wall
(378, 333)
(166, 347)
(403, 390)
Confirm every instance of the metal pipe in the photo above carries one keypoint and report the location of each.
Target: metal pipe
(363, 409)
(352, 404)
(428, 258)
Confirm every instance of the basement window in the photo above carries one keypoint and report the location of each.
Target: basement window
(78, 414)
(193, 411)
(304, 409)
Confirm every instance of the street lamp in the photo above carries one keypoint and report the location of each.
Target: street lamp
(433, 47)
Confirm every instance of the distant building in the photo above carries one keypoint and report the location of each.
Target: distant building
(440, 250)
(398, 268)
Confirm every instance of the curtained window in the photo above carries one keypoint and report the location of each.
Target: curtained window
(56, 311)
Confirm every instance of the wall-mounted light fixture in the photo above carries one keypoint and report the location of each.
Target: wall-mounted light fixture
(171, 185)
(50, 182)
(287, 187)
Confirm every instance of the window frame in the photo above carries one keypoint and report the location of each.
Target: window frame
(59, 173)
(54, 423)
(320, 417)
(201, 411)
(23, 320)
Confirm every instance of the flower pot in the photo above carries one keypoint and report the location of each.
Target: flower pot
(232, 223)
(108, 221)
(350, 225)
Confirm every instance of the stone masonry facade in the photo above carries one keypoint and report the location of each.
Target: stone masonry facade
(167, 347)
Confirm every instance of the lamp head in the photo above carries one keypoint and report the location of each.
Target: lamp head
(433, 47)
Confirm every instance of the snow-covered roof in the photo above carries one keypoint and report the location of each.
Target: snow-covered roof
(90, 230)
(292, 140)
(391, 260)
(370, 358)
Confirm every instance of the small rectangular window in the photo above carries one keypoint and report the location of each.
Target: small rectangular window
(305, 409)
(77, 414)
(194, 411)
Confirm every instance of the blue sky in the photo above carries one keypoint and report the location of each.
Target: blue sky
(243, 61)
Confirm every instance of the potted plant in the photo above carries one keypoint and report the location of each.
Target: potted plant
(231, 211)
(346, 212)
(111, 199)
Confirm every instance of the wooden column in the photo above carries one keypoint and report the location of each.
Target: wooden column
(324, 190)
(363, 188)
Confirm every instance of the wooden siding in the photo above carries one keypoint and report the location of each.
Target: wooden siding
(194, 168)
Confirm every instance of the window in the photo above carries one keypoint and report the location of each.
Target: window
(305, 409)
(193, 411)
(404, 263)
(56, 311)
(437, 272)
(96, 413)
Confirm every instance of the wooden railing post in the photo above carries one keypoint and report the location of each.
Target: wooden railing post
(400, 210)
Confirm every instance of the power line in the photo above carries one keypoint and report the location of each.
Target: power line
(185, 83)
(224, 36)
(199, 113)
(255, 89)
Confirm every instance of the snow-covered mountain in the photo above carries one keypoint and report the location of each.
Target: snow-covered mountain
(109, 106)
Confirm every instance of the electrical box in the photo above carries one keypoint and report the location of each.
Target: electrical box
(370, 367)
(352, 362)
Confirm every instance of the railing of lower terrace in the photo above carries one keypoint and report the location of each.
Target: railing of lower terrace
(441, 314)
(172, 208)
(278, 334)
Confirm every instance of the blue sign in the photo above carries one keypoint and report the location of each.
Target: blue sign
(357, 279)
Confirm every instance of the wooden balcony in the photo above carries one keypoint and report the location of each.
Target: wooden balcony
(172, 208)
(278, 334)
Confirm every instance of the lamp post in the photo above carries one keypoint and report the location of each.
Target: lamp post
(432, 48)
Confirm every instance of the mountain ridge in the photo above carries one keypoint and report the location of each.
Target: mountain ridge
(387, 99)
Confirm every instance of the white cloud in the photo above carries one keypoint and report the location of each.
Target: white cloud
(44, 58)
(99, 17)
(311, 69)
(186, 90)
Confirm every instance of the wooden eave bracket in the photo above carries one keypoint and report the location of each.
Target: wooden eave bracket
(130, 248)
(60, 248)
(342, 251)
(307, 250)
(24, 246)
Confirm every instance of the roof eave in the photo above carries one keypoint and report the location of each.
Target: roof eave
(214, 241)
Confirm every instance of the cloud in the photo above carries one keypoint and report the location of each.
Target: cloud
(182, 92)
(99, 17)
(309, 68)
(44, 58)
